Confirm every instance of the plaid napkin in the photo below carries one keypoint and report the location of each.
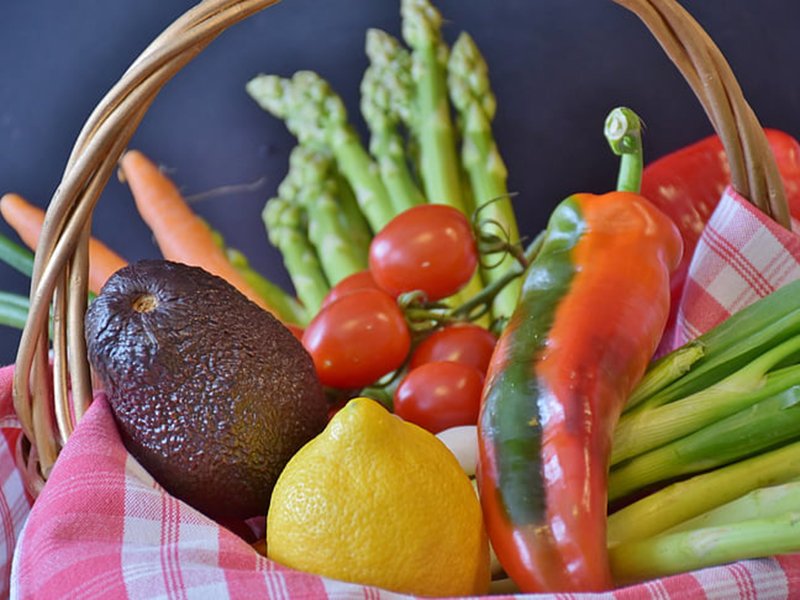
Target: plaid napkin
(103, 527)
(15, 504)
(741, 256)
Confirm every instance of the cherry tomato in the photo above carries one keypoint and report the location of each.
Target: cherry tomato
(357, 339)
(440, 395)
(336, 407)
(428, 247)
(357, 281)
(464, 342)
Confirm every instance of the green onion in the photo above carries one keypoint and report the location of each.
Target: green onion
(676, 503)
(764, 425)
(689, 550)
(727, 347)
(13, 310)
(16, 256)
(643, 430)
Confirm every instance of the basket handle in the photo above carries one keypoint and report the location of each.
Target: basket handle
(754, 172)
(42, 399)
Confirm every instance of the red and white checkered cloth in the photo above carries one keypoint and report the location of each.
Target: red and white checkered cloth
(103, 528)
(15, 504)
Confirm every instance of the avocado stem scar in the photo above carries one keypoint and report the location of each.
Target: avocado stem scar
(144, 303)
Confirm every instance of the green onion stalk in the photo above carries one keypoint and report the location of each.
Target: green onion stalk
(721, 351)
(764, 522)
(678, 502)
(385, 88)
(15, 256)
(644, 430)
(762, 426)
(471, 94)
(685, 551)
(761, 503)
(14, 307)
(13, 310)
(316, 115)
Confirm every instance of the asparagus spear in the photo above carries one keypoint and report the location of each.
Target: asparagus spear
(309, 183)
(284, 226)
(393, 63)
(433, 130)
(383, 87)
(433, 126)
(316, 115)
(350, 214)
(287, 308)
(471, 94)
(687, 499)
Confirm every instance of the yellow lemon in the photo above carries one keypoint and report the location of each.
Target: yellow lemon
(379, 501)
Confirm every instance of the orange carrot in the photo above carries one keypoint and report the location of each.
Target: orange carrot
(181, 235)
(26, 219)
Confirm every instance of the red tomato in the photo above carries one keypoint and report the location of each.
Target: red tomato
(428, 247)
(336, 407)
(465, 343)
(440, 395)
(357, 339)
(359, 280)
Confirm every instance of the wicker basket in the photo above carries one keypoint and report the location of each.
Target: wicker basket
(51, 400)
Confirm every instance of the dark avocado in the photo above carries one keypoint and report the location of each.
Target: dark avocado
(211, 394)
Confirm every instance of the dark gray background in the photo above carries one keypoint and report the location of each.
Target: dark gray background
(557, 66)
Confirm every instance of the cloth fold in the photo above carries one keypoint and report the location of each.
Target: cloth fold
(102, 527)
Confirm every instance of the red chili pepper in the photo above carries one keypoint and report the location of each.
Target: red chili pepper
(592, 310)
(688, 183)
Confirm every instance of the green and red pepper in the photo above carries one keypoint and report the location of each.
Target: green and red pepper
(593, 307)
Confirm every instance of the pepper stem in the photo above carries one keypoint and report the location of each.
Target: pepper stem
(623, 130)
